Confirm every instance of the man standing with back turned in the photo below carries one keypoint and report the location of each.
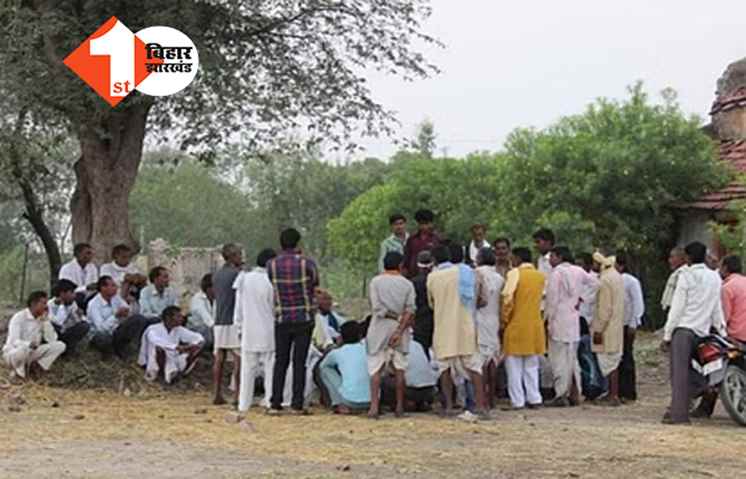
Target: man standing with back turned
(294, 278)
(696, 308)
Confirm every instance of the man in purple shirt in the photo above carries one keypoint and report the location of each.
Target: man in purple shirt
(424, 239)
(294, 278)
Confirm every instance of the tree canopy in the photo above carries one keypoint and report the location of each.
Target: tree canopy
(608, 176)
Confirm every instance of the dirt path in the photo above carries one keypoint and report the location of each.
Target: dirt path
(100, 434)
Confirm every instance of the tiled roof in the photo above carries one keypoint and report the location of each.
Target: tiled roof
(733, 152)
(729, 101)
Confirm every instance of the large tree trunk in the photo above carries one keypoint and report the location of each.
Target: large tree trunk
(111, 150)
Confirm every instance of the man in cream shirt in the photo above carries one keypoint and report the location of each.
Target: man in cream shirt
(696, 308)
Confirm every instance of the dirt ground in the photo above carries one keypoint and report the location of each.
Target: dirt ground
(70, 432)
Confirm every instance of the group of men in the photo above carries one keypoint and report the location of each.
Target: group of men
(441, 314)
(486, 308)
(113, 307)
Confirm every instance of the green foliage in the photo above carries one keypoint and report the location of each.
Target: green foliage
(266, 66)
(189, 206)
(609, 175)
(305, 192)
(460, 192)
(606, 177)
(245, 199)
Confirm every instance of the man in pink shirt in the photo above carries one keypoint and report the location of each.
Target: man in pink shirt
(563, 321)
(733, 296)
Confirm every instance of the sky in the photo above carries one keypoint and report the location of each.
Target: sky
(517, 64)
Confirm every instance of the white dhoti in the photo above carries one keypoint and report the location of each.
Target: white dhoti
(175, 363)
(461, 366)
(388, 356)
(253, 364)
(20, 357)
(563, 357)
(523, 380)
(608, 362)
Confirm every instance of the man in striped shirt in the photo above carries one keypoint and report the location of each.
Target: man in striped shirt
(294, 278)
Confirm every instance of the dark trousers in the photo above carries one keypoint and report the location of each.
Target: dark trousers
(72, 335)
(627, 374)
(419, 398)
(128, 330)
(295, 336)
(686, 383)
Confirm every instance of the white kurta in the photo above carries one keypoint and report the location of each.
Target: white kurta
(117, 273)
(634, 303)
(157, 336)
(254, 316)
(82, 277)
(488, 317)
(31, 340)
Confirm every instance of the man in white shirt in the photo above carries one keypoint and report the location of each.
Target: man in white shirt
(81, 271)
(544, 242)
(113, 326)
(696, 309)
(121, 265)
(563, 325)
(32, 343)
(255, 318)
(66, 317)
(168, 349)
(676, 261)
(478, 242)
(157, 296)
(634, 308)
(487, 318)
(202, 310)
(328, 324)
(125, 273)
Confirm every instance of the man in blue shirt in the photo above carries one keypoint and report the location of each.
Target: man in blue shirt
(344, 372)
(112, 324)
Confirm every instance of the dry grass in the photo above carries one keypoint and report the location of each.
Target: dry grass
(126, 431)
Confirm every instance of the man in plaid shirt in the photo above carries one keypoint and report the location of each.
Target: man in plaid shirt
(294, 278)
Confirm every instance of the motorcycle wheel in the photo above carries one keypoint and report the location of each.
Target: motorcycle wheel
(733, 393)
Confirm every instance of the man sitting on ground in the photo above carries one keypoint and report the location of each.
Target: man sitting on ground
(421, 378)
(168, 349)
(202, 310)
(65, 315)
(125, 273)
(113, 326)
(344, 372)
(32, 342)
(327, 329)
(157, 296)
(392, 303)
(81, 271)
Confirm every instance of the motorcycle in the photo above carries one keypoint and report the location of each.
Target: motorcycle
(722, 361)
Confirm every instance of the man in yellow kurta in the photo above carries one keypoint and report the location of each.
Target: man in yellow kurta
(454, 335)
(522, 330)
(607, 327)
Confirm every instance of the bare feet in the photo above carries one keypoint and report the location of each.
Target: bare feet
(342, 410)
(218, 400)
(373, 414)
